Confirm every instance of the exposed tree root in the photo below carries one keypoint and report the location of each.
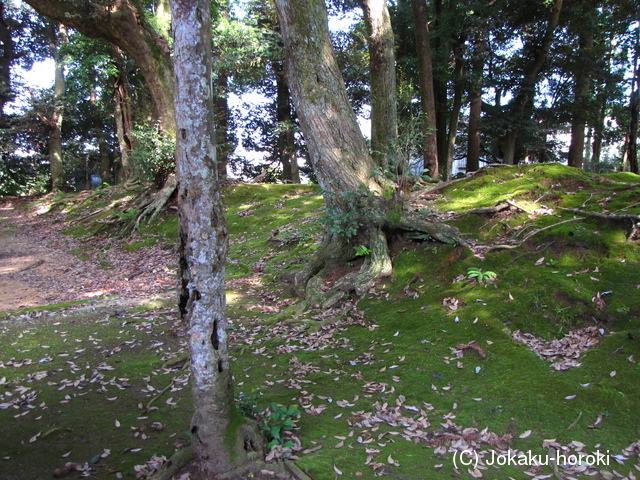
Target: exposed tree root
(176, 463)
(311, 281)
(604, 216)
(158, 201)
(493, 248)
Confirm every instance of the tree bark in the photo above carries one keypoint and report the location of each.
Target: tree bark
(382, 78)
(423, 48)
(125, 24)
(220, 438)
(634, 108)
(337, 150)
(58, 37)
(441, 55)
(632, 151)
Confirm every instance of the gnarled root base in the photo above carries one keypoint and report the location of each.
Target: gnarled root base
(310, 282)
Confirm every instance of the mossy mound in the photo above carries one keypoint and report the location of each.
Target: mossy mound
(424, 366)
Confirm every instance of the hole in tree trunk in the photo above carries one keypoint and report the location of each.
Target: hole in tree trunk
(220, 367)
(214, 335)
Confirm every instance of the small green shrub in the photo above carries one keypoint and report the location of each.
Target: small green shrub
(247, 403)
(280, 419)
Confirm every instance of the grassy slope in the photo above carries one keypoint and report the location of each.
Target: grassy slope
(402, 342)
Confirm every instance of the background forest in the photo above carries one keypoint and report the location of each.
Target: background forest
(472, 83)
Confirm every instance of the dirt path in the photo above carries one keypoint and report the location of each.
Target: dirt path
(38, 265)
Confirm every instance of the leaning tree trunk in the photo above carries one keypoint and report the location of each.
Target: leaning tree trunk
(359, 203)
(221, 440)
(124, 23)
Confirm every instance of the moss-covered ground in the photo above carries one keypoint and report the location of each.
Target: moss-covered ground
(423, 367)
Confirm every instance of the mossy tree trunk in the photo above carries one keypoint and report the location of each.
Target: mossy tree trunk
(362, 205)
(221, 440)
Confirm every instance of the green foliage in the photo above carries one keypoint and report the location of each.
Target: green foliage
(128, 215)
(247, 403)
(280, 420)
(23, 176)
(362, 251)
(348, 211)
(153, 152)
(481, 276)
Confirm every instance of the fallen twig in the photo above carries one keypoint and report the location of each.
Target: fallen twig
(33, 265)
(162, 392)
(576, 422)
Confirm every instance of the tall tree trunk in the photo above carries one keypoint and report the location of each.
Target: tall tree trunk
(285, 144)
(338, 151)
(122, 113)
(634, 107)
(456, 106)
(99, 135)
(423, 48)
(222, 123)
(7, 57)
(220, 438)
(441, 56)
(58, 37)
(632, 150)
(382, 78)
(526, 90)
(124, 23)
(475, 98)
(581, 93)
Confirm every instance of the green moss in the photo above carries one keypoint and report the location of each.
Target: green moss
(402, 341)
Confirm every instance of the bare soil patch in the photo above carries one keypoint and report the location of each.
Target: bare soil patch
(38, 266)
